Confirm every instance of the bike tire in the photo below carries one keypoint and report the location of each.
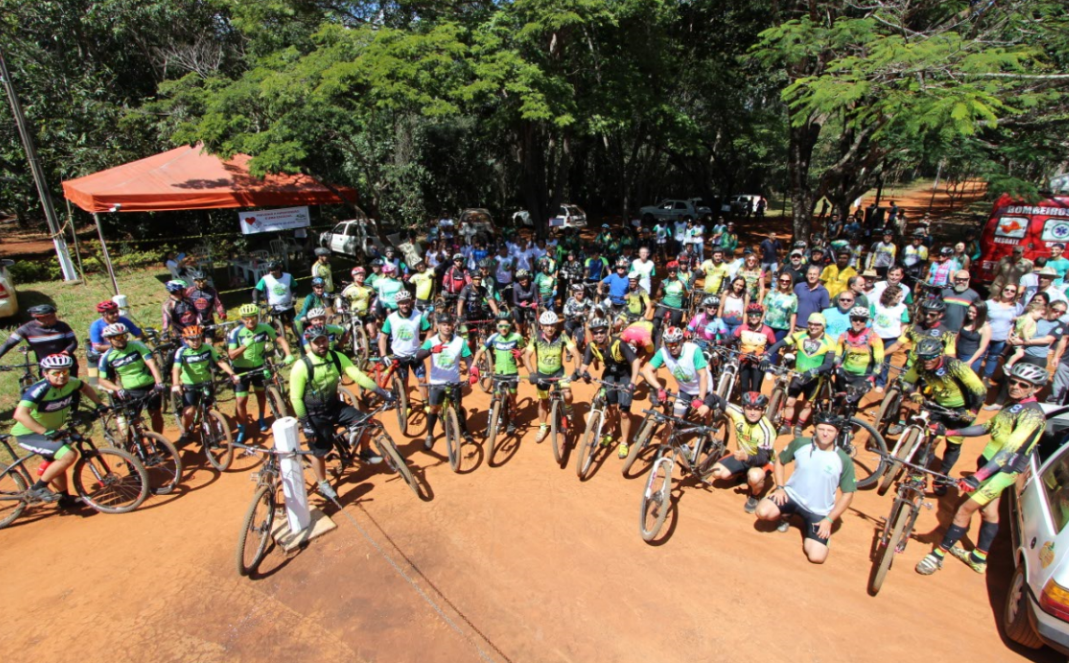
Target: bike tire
(115, 482)
(492, 429)
(775, 405)
(887, 555)
(278, 406)
(656, 499)
(588, 448)
(870, 456)
(256, 531)
(358, 340)
(452, 437)
(558, 437)
(645, 433)
(486, 373)
(904, 450)
(726, 385)
(161, 461)
(217, 441)
(12, 500)
(713, 448)
(889, 407)
(395, 461)
(348, 396)
(401, 407)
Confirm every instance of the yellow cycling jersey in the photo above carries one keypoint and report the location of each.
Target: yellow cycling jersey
(359, 297)
(751, 438)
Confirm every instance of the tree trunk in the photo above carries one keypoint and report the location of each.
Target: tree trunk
(799, 158)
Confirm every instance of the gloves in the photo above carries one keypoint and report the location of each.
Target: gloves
(531, 377)
(436, 349)
(176, 389)
(517, 354)
(587, 377)
(387, 396)
(939, 429)
(122, 394)
(289, 360)
(307, 428)
(575, 376)
(387, 362)
(807, 376)
(968, 416)
(473, 372)
(696, 403)
(916, 397)
(631, 387)
(765, 365)
(968, 484)
(159, 387)
(662, 395)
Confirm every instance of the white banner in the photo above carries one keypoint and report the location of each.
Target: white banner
(273, 220)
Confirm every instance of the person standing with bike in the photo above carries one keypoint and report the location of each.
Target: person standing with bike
(178, 311)
(109, 315)
(1015, 431)
(621, 364)
(754, 436)
(670, 294)
(859, 353)
(42, 410)
(321, 269)
(278, 288)
(129, 372)
(754, 338)
(245, 345)
(403, 330)
(687, 365)
(576, 311)
(524, 301)
(507, 348)
(615, 286)
(192, 369)
(821, 471)
(317, 299)
(544, 359)
(205, 299)
(814, 356)
(46, 335)
(314, 396)
(446, 350)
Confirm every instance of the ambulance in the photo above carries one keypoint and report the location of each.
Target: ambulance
(1035, 226)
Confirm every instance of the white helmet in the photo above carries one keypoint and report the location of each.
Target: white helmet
(316, 312)
(672, 335)
(117, 329)
(548, 318)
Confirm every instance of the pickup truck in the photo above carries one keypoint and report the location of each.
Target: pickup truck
(675, 210)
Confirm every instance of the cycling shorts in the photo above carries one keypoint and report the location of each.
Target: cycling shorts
(618, 397)
(326, 423)
(740, 467)
(543, 386)
(152, 404)
(406, 363)
(992, 487)
(255, 380)
(807, 389)
(812, 520)
(682, 403)
(438, 392)
(42, 446)
(191, 394)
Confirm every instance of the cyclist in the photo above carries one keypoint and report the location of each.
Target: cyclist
(545, 282)
(46, 335)
(576, 311)
(314, 397)
(705, 327)
(507, 348)
(376, 273)
(403, 329)
(109, 315)
(317, 299)
(687, 365)
(445, 350)
(621, 365)
(617, 286)
(423, 279)
(129, 372)
(42, 410)
(755, 338)
(821, 469)
(595, 267)
(476, 301)
(178, 311)
(952, 384)
(360, 298)
(544, 358)
(278, 287)
(715, 270)
(486, 268)
(571, 272)
(454, 278)
(670, 294)
(387, 287)
(321, 269)
(754, 435)
(524, 300)
(859, 353)
(339, 335)
(637, 302)
(205, 299)
(813, 355)
(192, 370)
(930, 325)
(390, 258)
(1015, 432)
(246, 344)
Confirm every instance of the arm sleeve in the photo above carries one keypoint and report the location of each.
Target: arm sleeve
(975, 393)
(778, 345)
(828, 364)
(358, 376)
(298, 382)
(11, 342)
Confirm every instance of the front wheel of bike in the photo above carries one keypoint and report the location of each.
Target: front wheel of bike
(12, 500)
(486, 374)
(279, 407)
(775, 405)
(358, 340)
(401, 406)
(714, 446)
(452, 437)
(642, 440)
(162, 462)
(493, 427)
(395, 461)
(256, 530)
(558, 436)
(868, 451)
(588, 448)
(656, 499)
(889, 409)
(886, 557)
(904, 450)
(216, 439)
(110, 480)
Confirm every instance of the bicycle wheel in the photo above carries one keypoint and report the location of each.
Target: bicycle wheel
(775, 405)
(889, 408)
(396, 462)
(161, 462)
(714, 447)
(726, 385)
(867, 450)
(556, 435)
(494, 424)
(642, 439)
(12, 502)
(358, 340)
(401, 407)
(256, 530)
(452, 437)
(277, 404)
(904, 450)
(216, 439)
(656, 499)
(348, 396)
(486, 372)
(110, 480)
(588, 448)
(887, 555)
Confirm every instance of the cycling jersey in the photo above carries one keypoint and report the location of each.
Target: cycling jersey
(207, 302)
(1015, 429)
(810, 352)
(595, 268)
(546, 285)
(952, 384)
(195, 366)
(44, 341)
(334, 334)
(279, 291)
(616, 357)
(424, 282)
(618, 287)
(48, 405)
(637, 301)
(751, 438)
(387, 289)
(475, 301)
(707, 327)
(253, 340)
(322, 270)
(549, 355)
(128, 365)
(912, 255)
(577, 310)
(445, 365)
(687, 368)
(179, 314)
(639, 335)
(674, 291)
(914, 333)
(521, 294)
(359, 297)
(313, 301)
(96, 330)
(883, 255)
(404, 332)
(754, 341)
(860, 353)
(502, 346)
(314, 382)
(454, 280)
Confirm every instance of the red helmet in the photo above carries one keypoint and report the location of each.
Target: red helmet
(672, 265)
(755, 309)
(107, 306)
(754, 399)
(358, 270)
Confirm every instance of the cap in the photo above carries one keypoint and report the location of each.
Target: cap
(797, 254)
(817, 318)
(870, 272)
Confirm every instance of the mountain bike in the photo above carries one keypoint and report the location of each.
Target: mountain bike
(27, 379)
(500, 410)
(595, 421)
(859, 440)
(913, 443)
(476, 330)
(709, 446)
(272, 316)
(561, 431)
(215, 436)
(891, 405)
(450, 415)
(780, 386)
(123, 428)
(655, 420)
(267, 502)
(275, 388)
(347, 442)
(729, 371)
(387, 378)
(224, 387)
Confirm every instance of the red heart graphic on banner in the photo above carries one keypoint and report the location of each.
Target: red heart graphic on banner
(250, 220)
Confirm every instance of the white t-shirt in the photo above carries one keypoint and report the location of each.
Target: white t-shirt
(645, 270)
(887, 323)
(680, 230)
(877, 291)
(445, 365)
(404, 332)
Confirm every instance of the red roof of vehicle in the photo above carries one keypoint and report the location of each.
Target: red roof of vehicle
(188, 177)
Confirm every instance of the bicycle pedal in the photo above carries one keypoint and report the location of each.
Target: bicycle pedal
(927, 505)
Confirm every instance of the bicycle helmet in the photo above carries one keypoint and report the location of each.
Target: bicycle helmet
(273, 265)
(322, 251)
(503, 316)
(934, 305)
(197, 275)
(485, 263)
(458, 257)
(174, 287)
(357, 270)
(946, 251)
(117, 329)
(929, 348)
(377, 262)
(56, 362)
(672, 265)
(755, 309)
(754, 399)
(389, 250)
(711, 301)
(389, 268)
(577, 287)
(403, 296)
(829, 419)
(622, 262)
(313, 332)
(107, 306)
(317, 281)
(548, 318)
(672, 335)
(248, 310)
(684, 259)
(317, 312)
(859, 312)
(447, 319)
(918, 233)
(522, 274)
(193, 331)
(598, 323)
(1029, 373)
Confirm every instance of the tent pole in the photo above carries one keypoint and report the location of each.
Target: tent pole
(107, 258)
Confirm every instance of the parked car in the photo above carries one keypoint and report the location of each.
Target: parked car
(9, 299)
(522, 219)
(742, 203)
(569, 216)
(672, 209)
(1036, 612)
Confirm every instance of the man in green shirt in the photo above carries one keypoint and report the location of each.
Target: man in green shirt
(507, 348)
(245, 344)
(193, 369)
(129, 372)
(314, 397)
(544, 358)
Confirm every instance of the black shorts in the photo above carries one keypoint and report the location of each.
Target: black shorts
(326, 423)
(739, 467)
(438, 391)
(254, 379)
(191, 394)
(41, 445)
(812, 520)
(797, 388)
(616, 396)
(153, 403)
(406, 363)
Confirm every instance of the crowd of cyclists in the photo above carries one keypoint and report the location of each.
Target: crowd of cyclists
(635, 303)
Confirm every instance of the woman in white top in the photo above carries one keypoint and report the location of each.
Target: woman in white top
(733, 304)
(1001, 313)
(891, 314)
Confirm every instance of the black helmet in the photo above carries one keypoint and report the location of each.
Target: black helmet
(929, 348)
(322, 251)
(486, 263)
(313, 332)
(754, 399)
(197, 275)
(41, 309)
(273, 265)
(829, 419)
(446, 319)
(934, 305)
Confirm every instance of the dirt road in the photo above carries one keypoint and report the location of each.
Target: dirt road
(528, 562)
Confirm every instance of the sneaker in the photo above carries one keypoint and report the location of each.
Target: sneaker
(606, 440)
(263, 425)
(940, 488)
(784, 429)
(622, 451)
(784, 525)
(43, 494)
(879, 389)
(895, 429)
(543, 432)
(326, 491)
(992, 407)
(468, 438)
(798, 431)
(930, 564)
(369, 457)
(240, 439)
(978, 565)
(751, 504)
(428, 442)
(70, 502)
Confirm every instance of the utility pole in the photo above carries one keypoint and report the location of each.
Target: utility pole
(58, 238)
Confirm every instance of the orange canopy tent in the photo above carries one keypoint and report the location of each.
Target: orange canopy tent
(189, 178)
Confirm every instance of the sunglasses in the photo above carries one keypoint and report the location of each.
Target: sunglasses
(754, 408)
(1020, 383)
(599, 332)
(56, 372)
(846, 301)
(503, 325)
(787, 281)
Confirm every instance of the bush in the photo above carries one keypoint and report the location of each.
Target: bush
(34, 271)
